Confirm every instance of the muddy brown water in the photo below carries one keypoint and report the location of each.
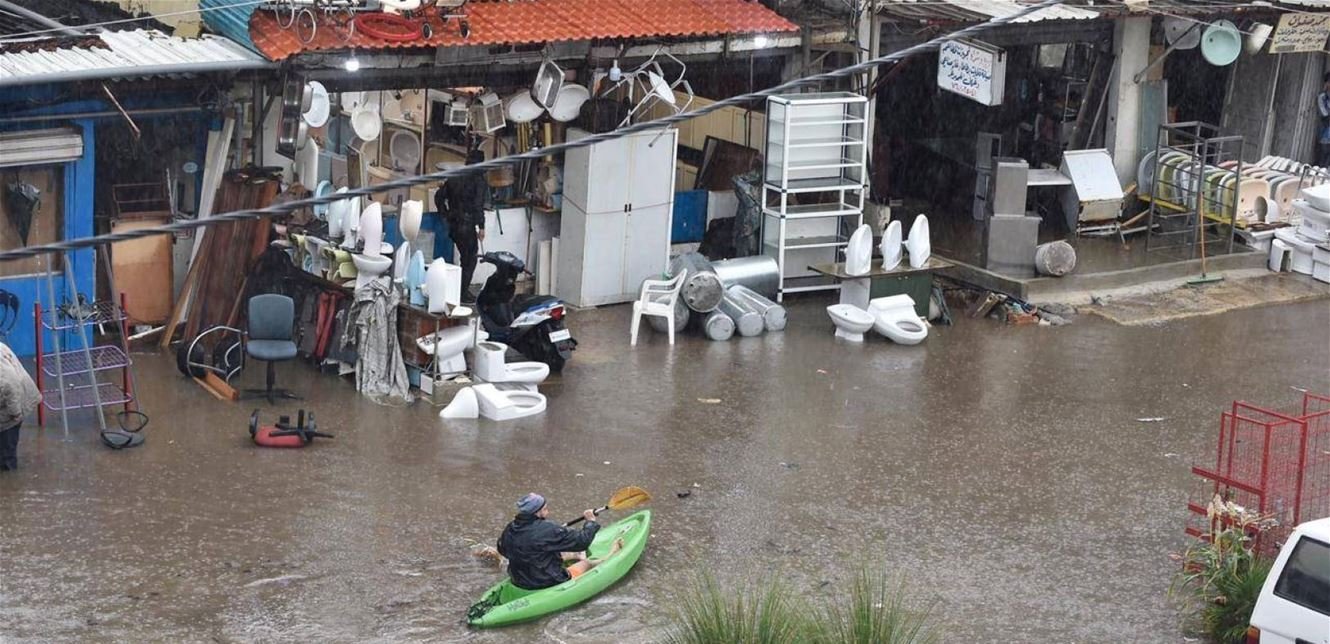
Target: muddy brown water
(1001, 469)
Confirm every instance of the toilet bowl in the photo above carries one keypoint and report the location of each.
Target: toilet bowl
(918, 245)
(369, 268)
(507, 405)
(400, 261)
(490, 365)
(371, 229)
(351, 224)
(891, 246)
(464, 405)
(859, 251)
(894, 317)
(448, 344)
(443, 285)
(314, 255)
(851, 321)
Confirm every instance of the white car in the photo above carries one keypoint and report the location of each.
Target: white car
(1294, 605)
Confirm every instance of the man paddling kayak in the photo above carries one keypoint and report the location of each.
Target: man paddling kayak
(536, 548)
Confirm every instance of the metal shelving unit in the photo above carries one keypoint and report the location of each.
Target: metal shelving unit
(1194, 190)
(814, 183)
(77, 370)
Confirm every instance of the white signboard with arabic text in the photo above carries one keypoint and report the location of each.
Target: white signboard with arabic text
(1300, 32)
(975, 70)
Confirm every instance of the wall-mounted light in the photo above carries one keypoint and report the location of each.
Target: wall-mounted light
(760, 41)
(616, 74)
(352, 64)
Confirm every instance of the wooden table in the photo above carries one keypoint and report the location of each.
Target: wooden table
(904, 279)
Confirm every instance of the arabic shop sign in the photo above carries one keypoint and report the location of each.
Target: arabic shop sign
(973, 69)
(1300, 32)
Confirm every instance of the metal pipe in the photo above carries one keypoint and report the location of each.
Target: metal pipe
(40, 19)
(154, 111)
(702, 289)
(681, 315)
(759, 272)
(773, 314)
(746, 320)
(718, 326)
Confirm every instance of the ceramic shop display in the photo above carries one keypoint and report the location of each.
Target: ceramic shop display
(891, 246)
(746, 320)
(859, 251)
(1221, 43)
(400, 261)
(320, 105)
(415, 279)
(464, 405)
(315, 262)
(391, 109)
(702, 289)
(1181, 33)
(718, 326)
(894, 318)
(758, 272)
(408, 221)
(366, 123)
(490, 366)
(681, 316)
(773, 315)
(370, 268)
(1145, 173)
(1300, 251)
(496, 404)
(337, 215)
(307, 165)
(1055, 259)
(1318, 197)
(918, 245)
(322, 190)
(1266, 210)
(404, 148)
(351, 101)
(448, 344)
(521, 108)
(851, 321)
(568, 104)
(1250, 191)
(443, 285)
(1313, 223)
(351, 224)
(371, 229)
(1279, 255)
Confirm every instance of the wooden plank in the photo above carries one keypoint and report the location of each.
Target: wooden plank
(186, 294)
(221, 387)
(208, 388)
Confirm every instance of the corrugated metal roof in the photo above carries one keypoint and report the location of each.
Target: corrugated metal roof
(979, 10)
(230, 18)
(540, 21)
(122, 54)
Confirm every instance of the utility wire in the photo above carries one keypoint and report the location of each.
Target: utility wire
(408, 182)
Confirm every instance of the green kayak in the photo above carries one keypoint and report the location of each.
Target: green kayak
(506, 604)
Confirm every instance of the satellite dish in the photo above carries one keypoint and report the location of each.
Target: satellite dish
(1181, 33)
(1256, 37)
(1221, 43)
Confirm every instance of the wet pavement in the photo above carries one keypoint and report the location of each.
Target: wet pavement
(1001, 469)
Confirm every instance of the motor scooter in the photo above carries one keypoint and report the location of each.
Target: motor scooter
(532, 324)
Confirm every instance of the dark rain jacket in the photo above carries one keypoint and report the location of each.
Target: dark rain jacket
(532, 547)
(461, 200)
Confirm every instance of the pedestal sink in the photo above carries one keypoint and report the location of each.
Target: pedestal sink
(369, 267)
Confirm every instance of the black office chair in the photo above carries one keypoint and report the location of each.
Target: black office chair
(271, 338)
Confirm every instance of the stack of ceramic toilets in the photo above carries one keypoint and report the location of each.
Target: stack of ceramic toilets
(1306, 248)
(893, 316)
(504, 391)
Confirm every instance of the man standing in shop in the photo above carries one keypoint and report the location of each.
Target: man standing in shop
(461, 203)
(1323, 134)
(18, 396)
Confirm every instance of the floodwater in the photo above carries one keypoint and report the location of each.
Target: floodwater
(1001, 469)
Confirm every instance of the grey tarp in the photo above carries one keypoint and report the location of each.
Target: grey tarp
(380, 370)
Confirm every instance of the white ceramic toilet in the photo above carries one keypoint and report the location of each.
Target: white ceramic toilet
(894, 317)
(490, 365)
(443, 285)
(496, 404)
(918, 245)
(859, 251)
(409, 221)
(464, 405)
(448, 344)
(851, 321)
(891, 246)
(351, 223)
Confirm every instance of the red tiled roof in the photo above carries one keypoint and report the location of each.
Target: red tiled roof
(522, 22)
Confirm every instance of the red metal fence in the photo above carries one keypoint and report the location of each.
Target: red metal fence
(1273, 463)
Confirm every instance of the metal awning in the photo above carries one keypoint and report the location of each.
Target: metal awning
(122, 54)
(965, 11)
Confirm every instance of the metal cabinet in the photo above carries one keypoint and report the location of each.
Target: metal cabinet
(618, 201)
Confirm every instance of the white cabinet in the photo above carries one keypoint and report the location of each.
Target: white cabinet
(618, 200)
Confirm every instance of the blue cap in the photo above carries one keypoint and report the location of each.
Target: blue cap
(531, 503)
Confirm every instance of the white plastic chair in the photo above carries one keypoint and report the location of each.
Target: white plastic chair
(658, 299)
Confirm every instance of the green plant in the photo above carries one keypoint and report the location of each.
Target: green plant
(877, 613)
(711, 615)
(1223, 574)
